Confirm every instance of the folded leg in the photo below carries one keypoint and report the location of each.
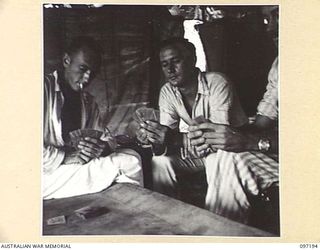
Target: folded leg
(168, 170)
(233, 178)
(98, 174)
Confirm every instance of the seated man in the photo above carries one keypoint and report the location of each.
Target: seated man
(188, 94)
(246, 162)
(92, 166)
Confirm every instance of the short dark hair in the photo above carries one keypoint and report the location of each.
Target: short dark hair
(86, 44)
(180, 43)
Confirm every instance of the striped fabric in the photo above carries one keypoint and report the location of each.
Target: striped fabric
(216, 101)
(233, 177)
(167, 171)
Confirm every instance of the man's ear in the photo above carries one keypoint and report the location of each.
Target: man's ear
(66, 60)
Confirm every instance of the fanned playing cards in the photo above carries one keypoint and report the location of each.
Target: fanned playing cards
(79, 134)
(143, 114)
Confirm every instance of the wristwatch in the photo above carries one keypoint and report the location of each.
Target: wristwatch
(264, 145)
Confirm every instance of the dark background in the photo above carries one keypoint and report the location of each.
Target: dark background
(130, 74)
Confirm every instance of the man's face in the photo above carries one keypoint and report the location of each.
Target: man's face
(271, 20)
(177, 68)
(78, 69)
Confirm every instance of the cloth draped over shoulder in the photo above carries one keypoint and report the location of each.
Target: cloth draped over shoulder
(53, 154)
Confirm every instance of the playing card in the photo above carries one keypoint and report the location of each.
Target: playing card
(92, 133)
(77, 135)
(199, 119)
(74, 138)
(146, 114)
(137, 117)
(141, 115)
(72, 134)
(78, 132)
(91, 211)
(57, 220)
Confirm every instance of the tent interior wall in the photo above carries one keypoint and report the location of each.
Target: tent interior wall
(130, 74)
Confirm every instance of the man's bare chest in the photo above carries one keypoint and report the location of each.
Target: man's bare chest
(189, 101)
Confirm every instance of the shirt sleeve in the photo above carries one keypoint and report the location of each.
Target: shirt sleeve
(268, 106)
(221, 96)
(52, 158)
(168, 115)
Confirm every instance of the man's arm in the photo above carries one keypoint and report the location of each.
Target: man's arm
(95, 147)
(52, 155)
(162, 138)
(155, 133)
(221, 99)
(224, 105)
(261, 135)
(226, 138)
(161, 133)
(263, 128)
(263, 123)
(52, 158)
(88, 148)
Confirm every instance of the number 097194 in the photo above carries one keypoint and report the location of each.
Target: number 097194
(309, 245)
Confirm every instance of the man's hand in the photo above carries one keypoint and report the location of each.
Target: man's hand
(142, 135)
(153, 131)
(74, 157)
(91, 147)
(88, 149)
(217, 136)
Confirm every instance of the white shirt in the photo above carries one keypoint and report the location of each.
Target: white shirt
(215, 100)
(53, 154)
(268, 106)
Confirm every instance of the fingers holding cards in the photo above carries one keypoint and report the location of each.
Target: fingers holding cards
(91, 147)
(154, 131)
(150, 130)
(86, 144)
(145, 114)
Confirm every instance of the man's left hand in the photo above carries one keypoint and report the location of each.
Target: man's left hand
(217, 136)
(155, 132)
(91, 147)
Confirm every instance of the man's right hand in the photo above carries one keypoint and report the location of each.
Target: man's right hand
(153, 131)
(218, 136)
(75, 157)
(88, 148)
